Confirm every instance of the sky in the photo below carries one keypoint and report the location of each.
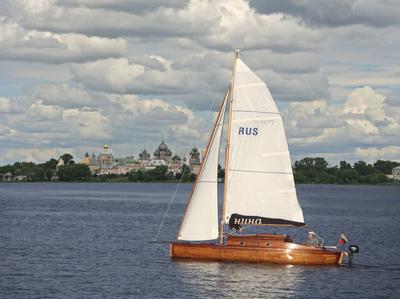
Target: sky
(77, 74)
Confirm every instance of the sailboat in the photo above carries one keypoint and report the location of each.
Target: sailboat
(259, 187)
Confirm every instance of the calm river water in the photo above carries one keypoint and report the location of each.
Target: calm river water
(93, 240)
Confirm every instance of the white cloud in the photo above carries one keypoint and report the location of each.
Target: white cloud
(62, 94)
(87, 124)
(362, 100)
(374, 153)
(5, 105)
(32, 45)
(36, 154)
(5, 131)
(337, 13)
(110, 74)
(121, 76)
(76, 74)
(361, 122)
(41, 112)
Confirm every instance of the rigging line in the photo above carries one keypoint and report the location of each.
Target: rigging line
(183, 173)
(170, 204)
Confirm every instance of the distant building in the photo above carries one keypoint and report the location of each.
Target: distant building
(144, 158)
(194, 160)
(105, 159)
(7, 177)
(163, 152)
(176, 165)
(86, 159)
(20, 178)
(396, 173)
(60, 163)
(157, 162)
(93, 165)
(144, 155)
(105, 163)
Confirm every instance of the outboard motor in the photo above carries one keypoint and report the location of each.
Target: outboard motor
(352, 250)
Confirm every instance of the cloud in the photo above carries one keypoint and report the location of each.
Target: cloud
(117, 75)
(337, 13)
(41, 112)
(16, 43)
(117, 119)
(374, 153)
(121, 76)
(5, 131)
(62, 94)
(76, 74)
(136, 7)
(219, 24)
(37, 154)
(88, 124)
(362, 121)
(5, 105)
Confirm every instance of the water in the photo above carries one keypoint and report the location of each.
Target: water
(92, 240)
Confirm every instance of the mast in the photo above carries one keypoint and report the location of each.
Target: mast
(206, 154)
(222, 229)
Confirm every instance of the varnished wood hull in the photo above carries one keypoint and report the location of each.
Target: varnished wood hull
(257, 249)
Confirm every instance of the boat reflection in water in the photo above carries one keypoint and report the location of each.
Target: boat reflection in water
(234, 280)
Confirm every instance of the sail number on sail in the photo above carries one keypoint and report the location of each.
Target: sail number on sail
(248, 131)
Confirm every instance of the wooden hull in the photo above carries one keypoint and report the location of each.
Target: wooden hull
(270, 249)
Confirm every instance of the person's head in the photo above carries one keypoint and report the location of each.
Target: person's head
(311, 235)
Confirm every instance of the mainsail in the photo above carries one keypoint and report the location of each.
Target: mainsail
(201, 219)
(260, 187)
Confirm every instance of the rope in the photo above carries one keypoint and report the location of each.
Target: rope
(183, 173)
(170, 204)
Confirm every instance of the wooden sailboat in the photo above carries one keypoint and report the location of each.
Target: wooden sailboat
(259, 187)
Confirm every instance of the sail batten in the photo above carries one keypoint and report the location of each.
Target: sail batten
(200, 221)
(260, 184)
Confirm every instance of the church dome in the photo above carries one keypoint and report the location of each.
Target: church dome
(168, 153)
(176, 158)
(162, 146)
(194, 150)
(156, 152)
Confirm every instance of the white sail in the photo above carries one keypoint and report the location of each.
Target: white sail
(201, 219)
(260, 186)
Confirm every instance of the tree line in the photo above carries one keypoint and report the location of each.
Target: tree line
(317, 171)
(47, 171)
(314, 170)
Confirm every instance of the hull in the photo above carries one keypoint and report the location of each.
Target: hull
(272, 249)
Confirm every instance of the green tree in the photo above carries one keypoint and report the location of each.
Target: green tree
(363, 168)
(306, 164)
(159, 173)
(186, 171)
(385, 166)
(67, 158)
(73, 172)
(133, 176)
(51, 164)
(344, 165)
